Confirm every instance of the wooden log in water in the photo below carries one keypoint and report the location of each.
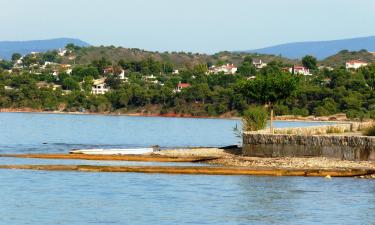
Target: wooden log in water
(140, 158)
(199, 170)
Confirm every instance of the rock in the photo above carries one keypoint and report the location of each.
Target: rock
(328, 177)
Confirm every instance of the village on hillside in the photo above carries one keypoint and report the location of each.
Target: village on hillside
(153, 85)
(99, 85)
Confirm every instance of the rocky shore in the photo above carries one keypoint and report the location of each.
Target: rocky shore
(233, 158)
(222, 162)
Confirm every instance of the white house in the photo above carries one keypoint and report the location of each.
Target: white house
(99, 87)
(121, 76)
(259, 64)
(300, 70)
(227, 69)
(355, 64)
(62, 51)
(151, 79)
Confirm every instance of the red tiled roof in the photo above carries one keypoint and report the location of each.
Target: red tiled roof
(299, 68)
(355, 61)
(230, 66)
(183, 85)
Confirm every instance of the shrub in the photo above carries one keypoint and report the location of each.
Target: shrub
(369, 131)
(300, 112)
(334, 130)
(372, 114)
(321, 111)
(255, 118)
(355, 114)
(281, 110)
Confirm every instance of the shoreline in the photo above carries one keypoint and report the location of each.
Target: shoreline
(234, 171)
(287, 118)
(229, 160)
(168, 115)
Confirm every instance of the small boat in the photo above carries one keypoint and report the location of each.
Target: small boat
(125, 151)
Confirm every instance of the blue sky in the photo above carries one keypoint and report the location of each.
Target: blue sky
(190, 25)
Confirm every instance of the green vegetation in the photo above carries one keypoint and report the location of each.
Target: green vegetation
(150, 80)
(369, 131)
(270, 86)
(343, 56)
(255, 118)
(310, 62)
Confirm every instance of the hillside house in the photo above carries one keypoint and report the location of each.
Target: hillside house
(99, 87)
(355, 64)
(181, 86)
(226, 69)
(121, 76)
(62, 52)
(108, 70)
(300, 70)
(259, 64)
(151, 79)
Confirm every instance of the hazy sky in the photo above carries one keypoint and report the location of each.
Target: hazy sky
(191, 25)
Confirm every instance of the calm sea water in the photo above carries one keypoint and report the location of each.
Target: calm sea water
(29, 132)
(79, 198)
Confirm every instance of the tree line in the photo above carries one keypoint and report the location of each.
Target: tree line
(326, 92)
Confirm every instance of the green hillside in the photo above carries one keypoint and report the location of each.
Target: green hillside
(342, 57)
(178, 59)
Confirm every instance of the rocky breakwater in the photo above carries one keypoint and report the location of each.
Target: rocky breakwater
(345, 147)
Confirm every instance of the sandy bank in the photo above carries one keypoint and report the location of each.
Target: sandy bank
(233, 158)
(198, 170)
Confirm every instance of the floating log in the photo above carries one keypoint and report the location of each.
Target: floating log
(199, 170)
(140, 158)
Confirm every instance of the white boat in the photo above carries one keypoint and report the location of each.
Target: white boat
(126, 151)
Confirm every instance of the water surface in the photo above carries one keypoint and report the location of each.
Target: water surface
(33, 132)
(80, 198)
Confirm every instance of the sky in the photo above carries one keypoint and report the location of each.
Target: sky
(187, 25)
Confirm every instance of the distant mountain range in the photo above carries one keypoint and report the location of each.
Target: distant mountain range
(7, 48)
(319, 49)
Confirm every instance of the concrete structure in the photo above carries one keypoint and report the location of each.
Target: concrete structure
(227, 69)
(355, 64)
(259, 64)
(300, 70)
(99, 87)
(121, 76)
(308, 142)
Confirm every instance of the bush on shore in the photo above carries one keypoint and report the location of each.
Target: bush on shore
(369, 131)
(255, 118)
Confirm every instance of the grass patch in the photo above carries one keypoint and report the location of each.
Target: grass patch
(369, 131)
(334, 130)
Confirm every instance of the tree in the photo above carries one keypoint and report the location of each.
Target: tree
(72, 47)
(50, 56)
(270, 88)
(246, 69)
(248, 59)
(16, 56)
(87, 84)
(70, 84)
(309, 62)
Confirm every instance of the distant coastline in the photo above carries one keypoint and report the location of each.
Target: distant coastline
(333, 118)
(167, 115)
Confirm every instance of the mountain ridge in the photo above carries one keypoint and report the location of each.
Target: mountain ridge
(7, 48)
(319, 49)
